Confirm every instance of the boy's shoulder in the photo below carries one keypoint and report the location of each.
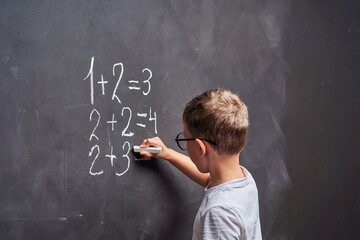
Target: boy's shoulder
(227, 192)
(237, 194)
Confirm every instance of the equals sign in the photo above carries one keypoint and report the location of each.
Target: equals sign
(133, 87)
(143, 115)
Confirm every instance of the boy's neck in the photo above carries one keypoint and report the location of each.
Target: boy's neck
(224, 168)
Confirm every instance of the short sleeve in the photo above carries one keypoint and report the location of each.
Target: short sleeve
(221, 223)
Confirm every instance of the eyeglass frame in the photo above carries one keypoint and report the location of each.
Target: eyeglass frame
(190, 139)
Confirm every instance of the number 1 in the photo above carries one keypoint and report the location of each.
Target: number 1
(91, 75)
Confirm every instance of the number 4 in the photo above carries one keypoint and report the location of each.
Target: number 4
(153, 119)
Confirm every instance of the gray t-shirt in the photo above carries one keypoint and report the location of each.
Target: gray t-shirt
(229, 211)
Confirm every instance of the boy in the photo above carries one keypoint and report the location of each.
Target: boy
(214, 132)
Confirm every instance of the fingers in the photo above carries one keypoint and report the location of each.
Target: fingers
(146, 143)
(154, 142)
(151, 142)
(146, 155)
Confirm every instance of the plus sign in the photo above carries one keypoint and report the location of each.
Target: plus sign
(111, 156)
(102, 82)
(112, 122)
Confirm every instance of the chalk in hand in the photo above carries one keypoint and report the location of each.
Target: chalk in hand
(148, 149)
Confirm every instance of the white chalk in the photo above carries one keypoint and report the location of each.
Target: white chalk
(148, 149)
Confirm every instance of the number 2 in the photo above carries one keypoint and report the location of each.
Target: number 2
(118, 81)
(93, 162)
(129, 134)
(97, 124)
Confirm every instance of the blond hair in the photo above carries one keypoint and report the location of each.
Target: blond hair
(220, 116)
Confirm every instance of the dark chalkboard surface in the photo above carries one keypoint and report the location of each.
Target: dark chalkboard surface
(82, 82)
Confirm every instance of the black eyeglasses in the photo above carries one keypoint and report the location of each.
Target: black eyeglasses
(181, 142)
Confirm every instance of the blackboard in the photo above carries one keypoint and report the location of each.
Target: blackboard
(81, 82)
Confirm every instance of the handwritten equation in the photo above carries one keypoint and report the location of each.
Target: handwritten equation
(122, 122)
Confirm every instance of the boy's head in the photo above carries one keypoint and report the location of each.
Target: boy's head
(219, 116)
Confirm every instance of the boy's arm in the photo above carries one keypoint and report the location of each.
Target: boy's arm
(180, 161)
(186, 166)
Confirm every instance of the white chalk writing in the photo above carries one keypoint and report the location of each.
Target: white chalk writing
(124, 120)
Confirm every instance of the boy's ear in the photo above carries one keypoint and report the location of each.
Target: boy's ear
(202, 147)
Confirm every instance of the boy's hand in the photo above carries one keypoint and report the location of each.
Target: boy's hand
(179, 160)
(154, 142)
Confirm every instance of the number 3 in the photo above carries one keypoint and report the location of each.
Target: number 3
(127, 157)
(147, 80)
